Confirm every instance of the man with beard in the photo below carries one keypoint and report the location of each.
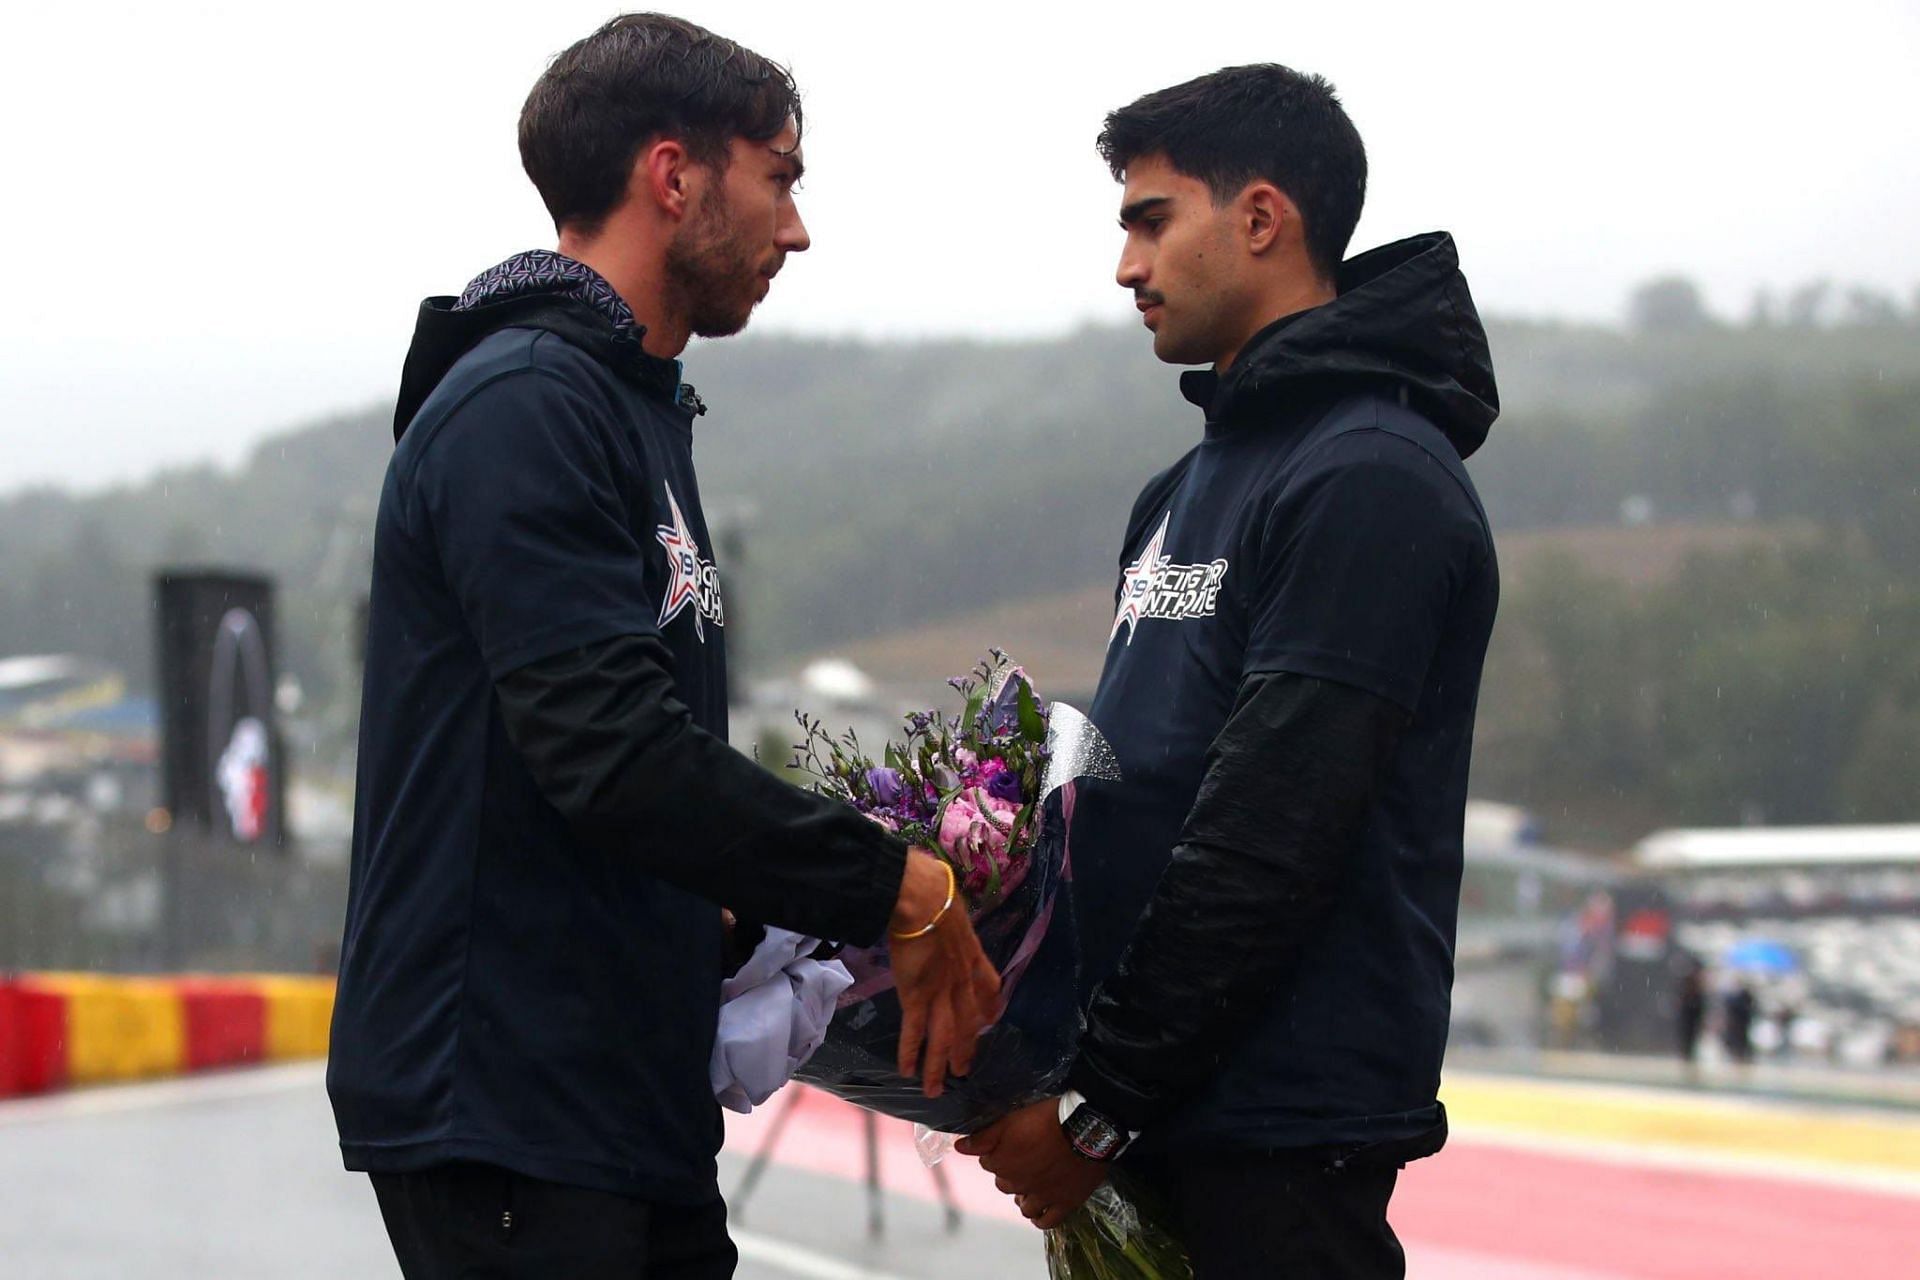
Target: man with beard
(548, 818)
(1269, 899)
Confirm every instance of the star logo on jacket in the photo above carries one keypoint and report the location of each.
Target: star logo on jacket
(691, 579)
(1154, 587)
(1136, 582)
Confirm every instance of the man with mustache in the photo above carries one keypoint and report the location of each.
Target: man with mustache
(1269, 899)
(548, 818)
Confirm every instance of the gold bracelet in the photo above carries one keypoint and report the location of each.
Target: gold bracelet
(953, 891)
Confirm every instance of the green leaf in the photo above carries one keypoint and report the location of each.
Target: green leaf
(1032, 724)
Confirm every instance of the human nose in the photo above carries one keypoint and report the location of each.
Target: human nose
(1133, 272)
(792, 236)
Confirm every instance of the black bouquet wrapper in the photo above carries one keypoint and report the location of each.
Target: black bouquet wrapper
(1032, 941)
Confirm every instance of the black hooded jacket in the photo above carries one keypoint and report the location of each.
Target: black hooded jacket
(1305, 605)
(548, 817)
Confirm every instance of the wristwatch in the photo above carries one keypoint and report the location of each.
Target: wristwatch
(1091, 1133)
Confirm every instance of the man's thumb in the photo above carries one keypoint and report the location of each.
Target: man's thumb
(976, 1144)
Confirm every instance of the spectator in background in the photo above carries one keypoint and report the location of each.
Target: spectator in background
(1692, 1012)
(1784, 1018)
(1736, 1030)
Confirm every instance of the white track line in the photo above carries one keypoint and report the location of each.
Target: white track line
(795, 1260)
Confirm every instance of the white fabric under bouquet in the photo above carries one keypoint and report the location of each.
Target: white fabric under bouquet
(773, 1015)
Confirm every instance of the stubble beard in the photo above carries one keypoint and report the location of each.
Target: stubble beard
(713, 272)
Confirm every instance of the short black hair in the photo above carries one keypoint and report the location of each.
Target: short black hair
(1256, 123)
(641, 77)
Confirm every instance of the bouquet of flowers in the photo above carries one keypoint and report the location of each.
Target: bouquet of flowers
(989, 789)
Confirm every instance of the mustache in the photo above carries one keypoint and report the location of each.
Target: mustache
(1149, 298)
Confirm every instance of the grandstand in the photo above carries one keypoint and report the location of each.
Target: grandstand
(1844, 905)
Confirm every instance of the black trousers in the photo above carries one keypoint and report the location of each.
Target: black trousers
(1290, 1215)
(479, 1222)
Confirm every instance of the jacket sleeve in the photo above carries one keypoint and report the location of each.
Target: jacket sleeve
(1288, 786)
(612, 748)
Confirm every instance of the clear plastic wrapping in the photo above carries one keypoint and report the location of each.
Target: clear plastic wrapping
(1121, 1233)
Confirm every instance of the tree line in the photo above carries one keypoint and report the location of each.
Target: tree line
(873, 486)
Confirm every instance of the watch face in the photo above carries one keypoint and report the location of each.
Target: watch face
(1093, 1135)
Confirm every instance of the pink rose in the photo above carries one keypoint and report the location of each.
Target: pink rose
(974, 831)
(999, 810)
(957, 822)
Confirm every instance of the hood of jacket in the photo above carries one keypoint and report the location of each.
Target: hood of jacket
(1403, 322)
(539, 289)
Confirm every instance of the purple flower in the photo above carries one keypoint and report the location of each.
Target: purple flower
(886, 785)
(1002, 715)
(1005, 785)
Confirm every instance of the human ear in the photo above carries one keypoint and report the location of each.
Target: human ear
(661, 175)
(1265, 212)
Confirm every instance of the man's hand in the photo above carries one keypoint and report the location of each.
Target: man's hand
(947, 988)
(1030, 1159)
